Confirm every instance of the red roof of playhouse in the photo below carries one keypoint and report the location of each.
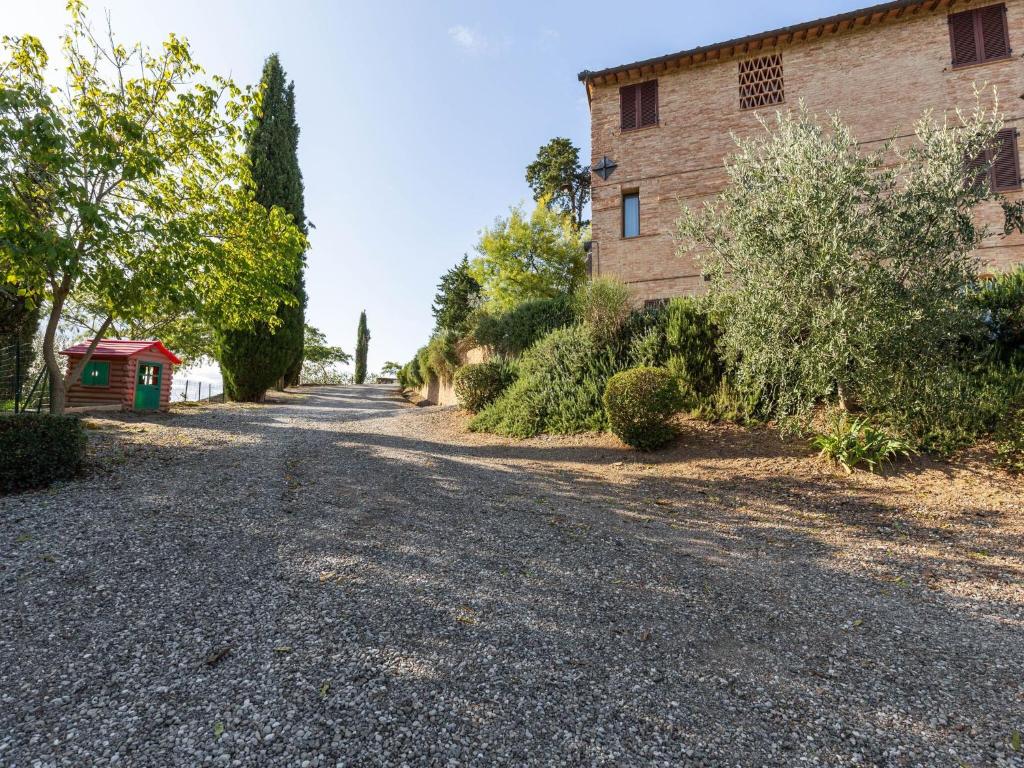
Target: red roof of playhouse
(122, 348)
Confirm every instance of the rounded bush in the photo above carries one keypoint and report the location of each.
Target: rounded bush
(477, 385)
(639, 403)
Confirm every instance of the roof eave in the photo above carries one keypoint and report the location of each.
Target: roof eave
(742, 45)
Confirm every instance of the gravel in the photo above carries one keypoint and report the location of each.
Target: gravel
(339, 578)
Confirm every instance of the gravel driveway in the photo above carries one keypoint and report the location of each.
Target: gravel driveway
(336, 580)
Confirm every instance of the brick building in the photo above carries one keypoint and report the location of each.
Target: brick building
(660, 128)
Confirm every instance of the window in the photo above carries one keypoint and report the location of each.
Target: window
(631, 215)
(1002, 161)
(980, 35)
(761, 82)
(638, 105)
(96, 374)
(148, 374)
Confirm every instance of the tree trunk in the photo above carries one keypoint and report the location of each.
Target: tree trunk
(57, 391)
(75, 371)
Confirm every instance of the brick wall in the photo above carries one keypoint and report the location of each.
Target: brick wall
(880, 79)
(442, 391)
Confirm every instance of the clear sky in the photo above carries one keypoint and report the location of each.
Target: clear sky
(419, 118)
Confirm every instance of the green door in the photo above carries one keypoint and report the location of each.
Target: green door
(147, 387)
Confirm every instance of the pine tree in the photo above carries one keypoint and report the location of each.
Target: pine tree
(254, 360)
(457, 295)
(362, 346)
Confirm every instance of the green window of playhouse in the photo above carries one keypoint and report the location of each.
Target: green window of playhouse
(96, 374)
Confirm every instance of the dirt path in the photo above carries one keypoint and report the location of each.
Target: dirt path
(343, 579)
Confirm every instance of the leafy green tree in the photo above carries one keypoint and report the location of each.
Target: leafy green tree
(319, 357)
(840, 274)
(362, 347)
(558, 177)
(391, 368)
(126, 188)
(458, 294)
(528, 257)
(255, 359)
(180, 329)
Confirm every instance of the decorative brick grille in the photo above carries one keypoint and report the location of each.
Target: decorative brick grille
(761, 82)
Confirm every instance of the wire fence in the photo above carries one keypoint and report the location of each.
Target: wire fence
(197, 391)
(24, 383)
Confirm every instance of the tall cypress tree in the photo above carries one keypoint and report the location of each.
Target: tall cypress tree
(362, 346)
(254, 360)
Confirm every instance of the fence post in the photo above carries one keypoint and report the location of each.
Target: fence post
(17, 376)
(186, 391)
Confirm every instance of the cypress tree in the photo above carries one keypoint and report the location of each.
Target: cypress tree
(362, 346)
(254, 360)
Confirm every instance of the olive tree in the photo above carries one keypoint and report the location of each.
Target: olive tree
(125, 191)
(841, 274)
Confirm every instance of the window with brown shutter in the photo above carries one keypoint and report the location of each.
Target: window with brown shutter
(999, 166)
(979, 35)
(761, 82)
(1006, 165)
(638, 104)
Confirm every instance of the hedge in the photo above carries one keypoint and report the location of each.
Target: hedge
(36, 449)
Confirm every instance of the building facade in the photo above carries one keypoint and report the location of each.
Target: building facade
(662, 128)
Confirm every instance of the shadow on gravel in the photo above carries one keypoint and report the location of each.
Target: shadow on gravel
(722, 597)
(540, 611)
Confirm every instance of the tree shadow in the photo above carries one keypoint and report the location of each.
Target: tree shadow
(547, 608)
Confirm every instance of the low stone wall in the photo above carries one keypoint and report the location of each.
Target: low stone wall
(442, 391)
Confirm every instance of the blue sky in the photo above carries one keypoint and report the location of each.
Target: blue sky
(417, 119)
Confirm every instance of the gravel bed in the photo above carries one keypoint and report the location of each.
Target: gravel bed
(339, 578)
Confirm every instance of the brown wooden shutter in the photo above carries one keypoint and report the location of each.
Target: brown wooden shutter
(977, 170)
(628, 95)
(1006, 165)
(963, 39)
(979, 35)
(649, 103)
(991, 22)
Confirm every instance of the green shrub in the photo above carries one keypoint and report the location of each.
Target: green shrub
(727, 403)
(442, 355)
(479, 384)
(409, 375)
(691, 342)
(423, 365)
(647, 346)
(1001, 301)
(604, 305)
(559, 389)
(511, 333)
(952, 406)
(36, 449)
(639, 404)
(1010, 441)
(853, 442)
